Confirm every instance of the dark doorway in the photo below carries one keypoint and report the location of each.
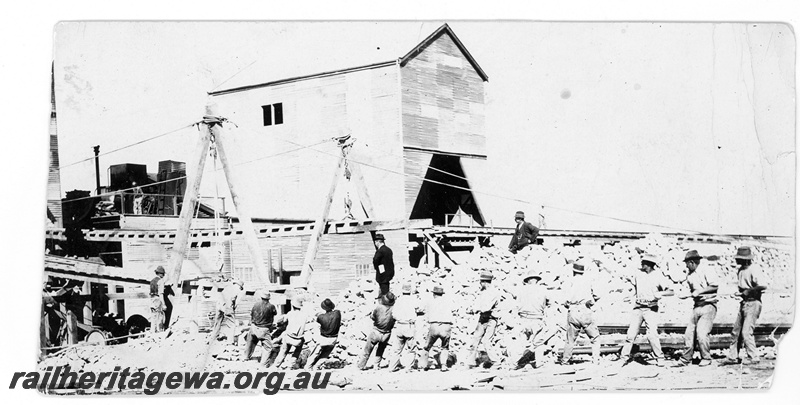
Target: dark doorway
(440, 202)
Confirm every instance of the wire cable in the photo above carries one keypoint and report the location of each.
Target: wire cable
(127, 146)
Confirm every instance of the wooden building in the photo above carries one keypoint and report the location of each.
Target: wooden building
(420, 116)
(416, 118)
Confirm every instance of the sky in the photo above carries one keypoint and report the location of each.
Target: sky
(664, 126)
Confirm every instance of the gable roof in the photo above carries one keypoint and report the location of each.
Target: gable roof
(395, 46)
(444, 29)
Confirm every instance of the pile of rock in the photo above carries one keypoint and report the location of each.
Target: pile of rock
(609, 265)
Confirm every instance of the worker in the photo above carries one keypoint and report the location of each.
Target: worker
(157, 305)
(226, 308)
(70, 295)
(703, 283)
(485, 305)
(52, 321)
(524, 234)
(382, 325)
(581, 296)
(532, 301)
(751, 283)
(405, 315)
(138, 198)
(329, 323)
(262, 317)
(383, 263)
(168, 291)
(292, 337)
(439, 312)
(650, 286)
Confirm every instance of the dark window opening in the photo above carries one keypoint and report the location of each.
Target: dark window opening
(278, 113)
(440, 202)
(272, 114)
(267, 110)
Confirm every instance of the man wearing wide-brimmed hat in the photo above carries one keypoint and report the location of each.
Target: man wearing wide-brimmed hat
(703, 283)
(649, 285)
(226, 308)
(532, 300)
(524, 234)
(157, 305)
(383, 263)
(752, 284)
(485, 305)
(262, 318)
(439, 311)
(581, 296)
(329, 323)
(405, 316)
(292, 337)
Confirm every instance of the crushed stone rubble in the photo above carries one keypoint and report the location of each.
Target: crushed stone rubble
(607, 264)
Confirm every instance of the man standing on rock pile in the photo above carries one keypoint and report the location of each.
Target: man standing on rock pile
(533, 300)
(650, 286)
(581, 297)
(383, 263)
(751, 285)
(487, 301)
(440, 320)
(382, 324)
(703, 283)
(405, 316)
(262, 317)
(524, 235)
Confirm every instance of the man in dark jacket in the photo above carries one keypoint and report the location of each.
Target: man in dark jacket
(262, 317)
(383, 263)
(329, 324)
(525, 234)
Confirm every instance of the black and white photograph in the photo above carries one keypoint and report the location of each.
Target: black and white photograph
(438, 205)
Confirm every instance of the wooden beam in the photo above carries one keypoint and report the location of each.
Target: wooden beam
(319, 227)
(361, 187)
(241, 209)
(435, 246)
(187, 209)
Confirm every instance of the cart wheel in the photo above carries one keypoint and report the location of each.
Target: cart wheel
(96, 337)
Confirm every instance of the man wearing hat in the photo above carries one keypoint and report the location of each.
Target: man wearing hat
(524, 235)
(382, 325)
(226, 308)
(485, 305)
(440, 320)
(532, 301)
(157, 305)
(751, 283)
(329, 323)
(580, 298)
(293, 336)
(262, 316)
(703, 283)
(405, 317)
(383, 263)
(650, 286)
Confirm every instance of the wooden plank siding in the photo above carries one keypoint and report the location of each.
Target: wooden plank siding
(54, 171)
(443, 98)
(416, 166)
(293, 184)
